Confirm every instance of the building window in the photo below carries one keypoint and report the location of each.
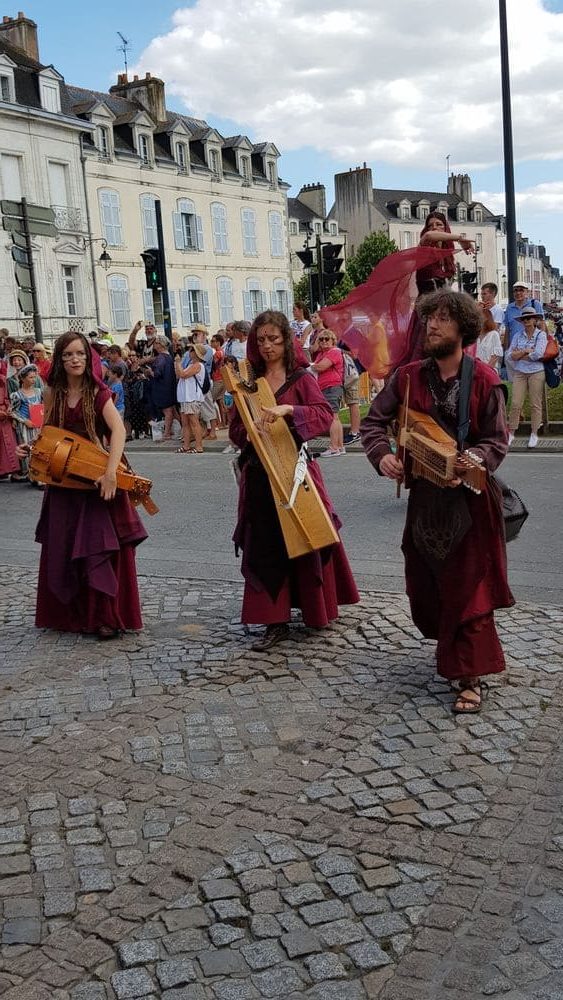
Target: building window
(194, 303)
(318, 228)
(333, 228)
(248, 219)
(405, 212)
(254, 299)
(103, 140)
(118, 290)
(110, 216)
(276, 233)
(279, 296)
(293, 228)
(11, 177)
(181, 158)
(225, 297)
(461, 214)
(58, 183)
(422, 212)
(5, 88)
(50, 96)
(478, 215)
(245, 163)
(219, 227)
(406, 239)
(148, 220)
(272, 174)
(478, 242)
(188, 227)
(145, 150)
(214, 163)
(69, 286)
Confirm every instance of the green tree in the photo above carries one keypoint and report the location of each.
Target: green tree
(374, 248)
(301, 290)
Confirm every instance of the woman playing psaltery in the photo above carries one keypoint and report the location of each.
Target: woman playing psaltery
(317, 582)
(87, 577)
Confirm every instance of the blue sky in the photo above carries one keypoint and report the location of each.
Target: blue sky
(457, 109)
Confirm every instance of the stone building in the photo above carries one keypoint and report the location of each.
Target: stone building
(307, 219)
(40, 159)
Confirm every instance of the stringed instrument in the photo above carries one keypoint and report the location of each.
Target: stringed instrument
(305, 522)
(434, 453)
(62, 458)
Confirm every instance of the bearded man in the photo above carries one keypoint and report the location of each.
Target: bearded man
(453, 542)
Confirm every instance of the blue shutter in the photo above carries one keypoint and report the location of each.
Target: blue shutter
(178, 231)
(199, 229)
(185, 308)
(247, 306)
(148, 305)
(173, 312)
(206, 313)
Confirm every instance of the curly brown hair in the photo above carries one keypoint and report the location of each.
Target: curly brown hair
(280, 320)
(57, 381)
(459, 306)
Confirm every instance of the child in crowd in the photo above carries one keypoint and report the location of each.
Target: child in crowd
(115, 383)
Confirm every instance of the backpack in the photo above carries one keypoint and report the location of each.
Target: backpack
(552, 374)
(205, 386)
(350, 373)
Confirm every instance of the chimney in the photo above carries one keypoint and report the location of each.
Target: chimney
(21, 32)
(314, 197)
(466, 190)
(149, 92)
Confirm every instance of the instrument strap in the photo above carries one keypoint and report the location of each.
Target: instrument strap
(465, 384)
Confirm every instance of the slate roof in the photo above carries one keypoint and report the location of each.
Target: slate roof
(386, 198)
(297, 210)
(26, 80)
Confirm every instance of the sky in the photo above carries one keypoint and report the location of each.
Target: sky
(336, 83)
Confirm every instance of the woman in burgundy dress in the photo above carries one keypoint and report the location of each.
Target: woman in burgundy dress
(87, 577)
(274, 584)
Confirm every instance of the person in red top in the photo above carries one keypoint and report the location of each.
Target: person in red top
(329, 368)
(454, 542)
(217, 384)
(38, 355)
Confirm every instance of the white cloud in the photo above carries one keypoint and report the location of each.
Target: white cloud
(542, 198)
(396, 81)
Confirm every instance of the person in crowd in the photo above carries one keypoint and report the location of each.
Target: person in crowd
(39, 356)
(525, 354)
(162, 385)
(301, 322)
(328, 366)
(209, 411)
(235, 346)
(436, 232)
(9, 462)
(218, 385)
(141, 341)
(310, 344)
(116, 360)
(512, 314)
(27, 422)
(17, 359)
(489, 347)
(87, 578)
(115, 384)
(190, 372)
(104, 334)
(454, 542)
(134, 385)
(316, 583)
(489, 292)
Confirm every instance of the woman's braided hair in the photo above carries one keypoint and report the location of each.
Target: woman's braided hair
(57, 381)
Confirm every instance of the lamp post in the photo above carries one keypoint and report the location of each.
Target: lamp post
(510, 200)
(103, 261)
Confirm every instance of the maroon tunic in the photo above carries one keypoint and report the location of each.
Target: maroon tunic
(9, 461)
(452, 596)
(316, 583)
(87, 575)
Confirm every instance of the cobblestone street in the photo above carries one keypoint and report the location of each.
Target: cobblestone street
(184, 819)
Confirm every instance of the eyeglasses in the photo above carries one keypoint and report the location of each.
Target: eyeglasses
(70, 357)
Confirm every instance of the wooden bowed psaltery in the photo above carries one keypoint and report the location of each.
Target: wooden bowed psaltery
(305, 522)
(61, 458)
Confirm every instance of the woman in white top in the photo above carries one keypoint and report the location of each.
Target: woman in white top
(190, 372)
(489, 347)
(301, 322)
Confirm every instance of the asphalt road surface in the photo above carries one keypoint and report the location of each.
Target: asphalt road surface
(190, 537)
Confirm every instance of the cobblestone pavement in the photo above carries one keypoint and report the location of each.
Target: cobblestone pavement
(182, 818)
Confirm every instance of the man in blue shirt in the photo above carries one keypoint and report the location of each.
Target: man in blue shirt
(514, 309)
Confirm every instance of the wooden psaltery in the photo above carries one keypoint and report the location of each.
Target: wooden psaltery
(434, 453)
(306, 524)
(61, 458)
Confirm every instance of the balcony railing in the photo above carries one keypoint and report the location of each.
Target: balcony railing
(68, 220)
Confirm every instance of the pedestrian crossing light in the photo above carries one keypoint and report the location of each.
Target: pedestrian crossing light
(151, 260)
(332, 263)
(469, 283)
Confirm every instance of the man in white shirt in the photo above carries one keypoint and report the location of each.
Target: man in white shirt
(489, 292)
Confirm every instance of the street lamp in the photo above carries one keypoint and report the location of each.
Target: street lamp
(104, 260)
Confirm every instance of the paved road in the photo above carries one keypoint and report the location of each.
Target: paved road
(190, 538)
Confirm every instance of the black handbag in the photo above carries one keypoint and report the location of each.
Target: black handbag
(514, 510)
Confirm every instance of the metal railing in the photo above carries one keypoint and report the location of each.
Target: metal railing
(53, 326)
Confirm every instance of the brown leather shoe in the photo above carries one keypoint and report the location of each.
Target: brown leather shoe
(272, 635)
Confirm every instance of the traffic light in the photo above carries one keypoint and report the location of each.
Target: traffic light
(331, 264)
(306, 257)
(469, 283)
(22, 269)
(153, 270)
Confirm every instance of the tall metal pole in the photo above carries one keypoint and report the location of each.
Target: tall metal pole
(38, 329)
(320, 270)
(510, 209)
(165, 297)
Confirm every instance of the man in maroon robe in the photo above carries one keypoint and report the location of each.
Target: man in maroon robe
(453, 543)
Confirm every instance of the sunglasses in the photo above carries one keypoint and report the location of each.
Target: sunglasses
(327, 339)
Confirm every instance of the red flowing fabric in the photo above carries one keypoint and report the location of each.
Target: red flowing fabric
(374, 320)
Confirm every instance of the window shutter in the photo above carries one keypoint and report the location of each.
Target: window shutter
(173, 312)
(119, 302)
(148, 215)
(185, 309)
(264, 301)
(148, 305)
(199, 229)
(178, 231)
(273, 300)
(206, 312)
(247, 306)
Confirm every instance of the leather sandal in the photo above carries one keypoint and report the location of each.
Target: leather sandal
(272, 635)
(470, 697)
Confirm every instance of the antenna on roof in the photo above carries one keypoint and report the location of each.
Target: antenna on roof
(125, 43)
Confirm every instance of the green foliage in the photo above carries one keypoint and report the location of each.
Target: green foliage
(374, 248)
(301, 291)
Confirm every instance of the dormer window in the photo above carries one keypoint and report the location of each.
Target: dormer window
(50, 95)
(404, 210)
(293, 228)
(272, 174)
(144, 150)
(245, 167)
(5, 89)
(103, 141)
(461, 213)
(422, 212)
(333, 228)
(214, 163)
(478, 215)
(181, 157)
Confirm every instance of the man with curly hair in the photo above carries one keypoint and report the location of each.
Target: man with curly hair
(453, 542)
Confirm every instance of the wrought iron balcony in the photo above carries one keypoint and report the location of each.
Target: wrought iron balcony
(68, 220)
